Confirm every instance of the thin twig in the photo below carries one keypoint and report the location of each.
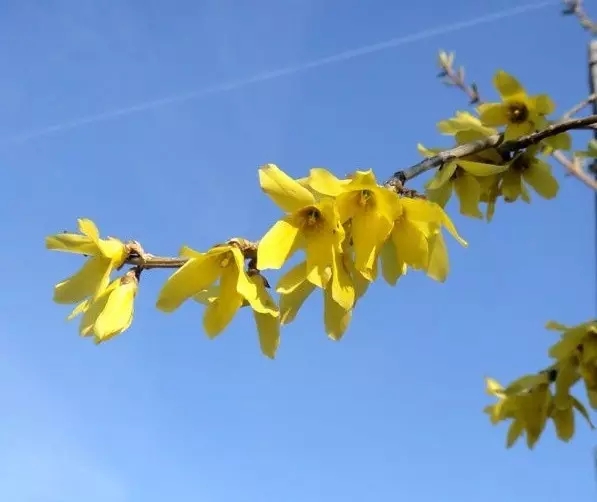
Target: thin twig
(494, 141)
(580, 106)
(575, 8)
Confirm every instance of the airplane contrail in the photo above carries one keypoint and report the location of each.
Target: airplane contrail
(272, 74)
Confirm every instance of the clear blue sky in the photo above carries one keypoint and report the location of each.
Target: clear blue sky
(391, 412)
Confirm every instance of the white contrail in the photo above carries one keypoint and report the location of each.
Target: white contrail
(269, 75)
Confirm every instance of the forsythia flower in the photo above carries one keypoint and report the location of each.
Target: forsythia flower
(417, 239)
(525, 167)
(111, 312)
(462, 176)
(520, 113)
(576, 351)
(106, 255)
(370, 208)
(225, 263)
(294, 289)
(310, 225)
(268, 324)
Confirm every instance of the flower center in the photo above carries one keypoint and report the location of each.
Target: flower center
(517, 112)
(312, 218)
(365, 198)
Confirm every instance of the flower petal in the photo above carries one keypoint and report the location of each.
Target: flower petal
(439, 264)
(442, 176)
(542, 104)
(291, 303)
(468, 191)
(91, 278)
(71, 243)
(292, 279)
(493, 114)
(268, 329)
(370, 229)
(88, 228)
(539, 176)
(324, 182)
(392, 266)
(194, 276)
(287, 193)
(278, 244)
(507, 85)
(336, 319)
(481, 169)
(117, 314)
(220, 313)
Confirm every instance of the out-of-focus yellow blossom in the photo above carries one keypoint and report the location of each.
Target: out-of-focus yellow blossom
(465, 122)
(577, 351)
(225, 263)
(370, 208)
(309, 224)
(417, 239)
(462, 176)
(105, 255)
(111, 312)
(268, 323)
(520, 113)
(526, 168)
(294, 289)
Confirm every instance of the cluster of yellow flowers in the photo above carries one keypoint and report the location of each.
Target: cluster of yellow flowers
(347, 228)
(530, 401)
(485, 176)
(351, 231)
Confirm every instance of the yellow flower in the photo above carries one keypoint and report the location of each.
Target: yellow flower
(465, 122)
(520, 113)
(268, 323)
(462, 176)
(111, 312)
(578, 347)
(309, 224)
(370, 208)
(105, 256)
(294, 289)
(225, 263)
(526, 168)
(417, 239)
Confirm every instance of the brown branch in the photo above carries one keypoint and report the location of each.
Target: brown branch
(494, 141)
(576, 8)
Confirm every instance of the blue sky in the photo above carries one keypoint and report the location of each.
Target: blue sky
(392, 411)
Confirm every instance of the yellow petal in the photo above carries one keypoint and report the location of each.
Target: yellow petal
(507, 85)
(481, 169)
(469, 192)
(79, 309)
(514, 432)
(95, 308)
(336, 318)
(442, 176)
(556, 326)
(578, 406)
(561, 141)
(511, 185)
(88, 228)
(117, 314)
(567, 377)
(539, 176)
(113, 249)
(515, 131)
(428, 152)
(208, 295)
(439, 264)
(441, 195)
(411, 244)
(542, 104)
(493, 387)
(71, 243)
(221, 312)
(564, 422)
(91, 278)
(292, 279)
(364, 179)
(493, 114)
(194, 276)
(257, 295)
(341, 288)
(291, 303)
(392, 268)
(187, 252)
(324, 182)
(278, 244)
(370, 229)
(268, 329)
(286, 193)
